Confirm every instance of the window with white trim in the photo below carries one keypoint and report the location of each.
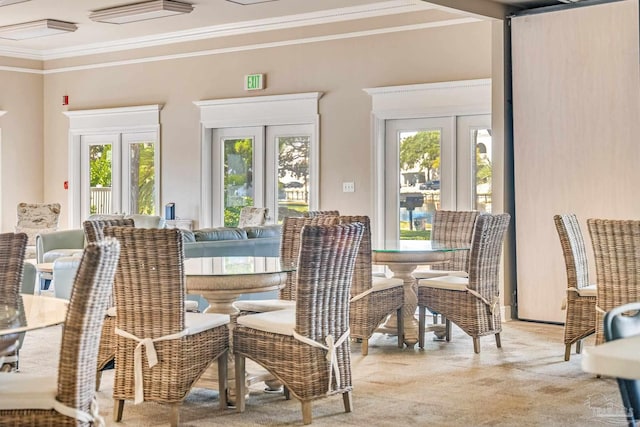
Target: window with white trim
(114, 161)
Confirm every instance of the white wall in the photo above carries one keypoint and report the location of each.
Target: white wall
(576, 99)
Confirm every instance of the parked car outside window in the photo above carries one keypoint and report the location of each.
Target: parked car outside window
(430, 185)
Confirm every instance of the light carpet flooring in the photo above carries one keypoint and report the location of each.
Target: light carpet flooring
(526, 383)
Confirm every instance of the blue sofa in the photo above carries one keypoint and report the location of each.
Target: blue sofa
(246, 241)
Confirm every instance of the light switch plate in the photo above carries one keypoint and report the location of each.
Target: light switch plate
(348, 187)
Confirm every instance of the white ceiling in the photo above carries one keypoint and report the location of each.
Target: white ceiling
(209, 18)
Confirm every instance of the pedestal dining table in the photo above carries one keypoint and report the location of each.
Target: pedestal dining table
(402, 263)
(221, 281)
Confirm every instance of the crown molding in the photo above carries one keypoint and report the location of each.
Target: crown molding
(210, 52)
(238, 28)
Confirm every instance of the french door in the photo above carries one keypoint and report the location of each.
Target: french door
(264, 166)
(430, 164)
(118, 173)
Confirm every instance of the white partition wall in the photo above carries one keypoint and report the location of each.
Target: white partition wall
(576, 103)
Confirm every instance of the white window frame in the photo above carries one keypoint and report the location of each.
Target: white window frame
(291, 109)
(144, 118)
(445, 99)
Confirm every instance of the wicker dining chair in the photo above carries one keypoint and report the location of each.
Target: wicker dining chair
(289, 250)
(307, 349)
(615, 249)
(472, 303)
(580, 305)
(149, 291)
(94, 232)
(373, 299)
(311, 214)
(68, 399)
(451, 228)
(12, 254)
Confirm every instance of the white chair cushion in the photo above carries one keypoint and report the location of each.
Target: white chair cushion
(26, 391)
(278, 322)
(378, 284)
(429, 274)
(198, 322)
(188, 306)
(588, 291)
(382, 283)
(264, 305)
(452, 283)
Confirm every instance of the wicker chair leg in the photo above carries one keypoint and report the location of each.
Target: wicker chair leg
(287, 393)
(174, 417)
(98, 379)
(400, 328)
(567, 352)
(348, 401)
(365, 346)
(306, 412)
(579, 346)
(498, 342)
(240, 383)
(422, 312)
(118, 407)
(222, 379)
(476, 345)
(447, 330)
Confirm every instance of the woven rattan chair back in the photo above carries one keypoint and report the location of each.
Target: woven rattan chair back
(311, 214)
(12, 250)
(453, 228)
(290, 247)
(325, 272)
(94, 228)
(150, 259)
(580, 318)
(616, 245)
(573, 249)
(485, 254)
(94, 232)
(80, 336)
(362, 272)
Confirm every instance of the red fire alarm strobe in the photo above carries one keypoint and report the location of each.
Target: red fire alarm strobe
(66, 185)
(65, 100)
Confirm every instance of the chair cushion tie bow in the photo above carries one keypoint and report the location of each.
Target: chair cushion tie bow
(93, 416)
(152, 357)
(331, 357)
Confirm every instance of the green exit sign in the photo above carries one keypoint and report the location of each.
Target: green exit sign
(254, 82)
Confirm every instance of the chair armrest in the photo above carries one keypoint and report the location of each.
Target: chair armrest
(64, 239)
(28, 278)
(64, 273)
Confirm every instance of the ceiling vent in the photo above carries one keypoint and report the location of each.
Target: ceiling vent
(140, 11)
